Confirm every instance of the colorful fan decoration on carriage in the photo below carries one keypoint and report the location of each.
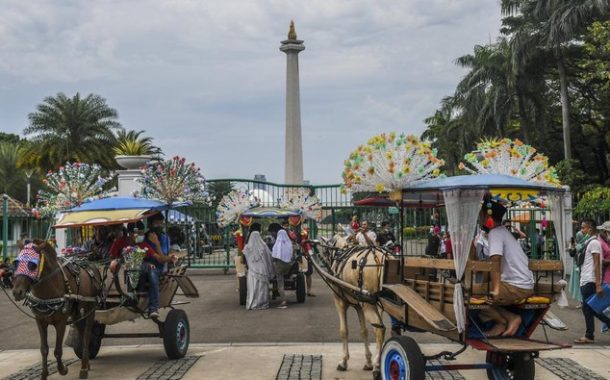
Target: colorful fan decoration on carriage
(172, 181)
(510, 157)
(234, 204)
(71, 185)
(389, 162)
(301, 199)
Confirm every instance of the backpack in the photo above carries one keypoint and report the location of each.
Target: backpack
(580, 255)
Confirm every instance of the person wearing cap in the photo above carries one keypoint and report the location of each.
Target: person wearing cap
(604, 242)
(591, 281)
(514, 281)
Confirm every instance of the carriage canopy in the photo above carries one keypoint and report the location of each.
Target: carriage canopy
(115, 210)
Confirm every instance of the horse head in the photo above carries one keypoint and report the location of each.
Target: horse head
(32, 261)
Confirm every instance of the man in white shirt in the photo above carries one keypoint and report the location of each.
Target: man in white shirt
(591, 280)
(514, 282)
(365, 237)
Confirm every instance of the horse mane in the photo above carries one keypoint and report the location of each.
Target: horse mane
(45, 247)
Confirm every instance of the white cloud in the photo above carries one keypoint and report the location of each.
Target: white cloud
(206, 78)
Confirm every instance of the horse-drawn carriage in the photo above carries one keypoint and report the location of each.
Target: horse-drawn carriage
(414, 290)
(270, 220)
(86, 295)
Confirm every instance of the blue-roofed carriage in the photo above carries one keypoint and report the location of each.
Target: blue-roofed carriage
(445, 296)
(122, 299)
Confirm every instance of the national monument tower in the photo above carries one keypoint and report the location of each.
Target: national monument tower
(293, 171)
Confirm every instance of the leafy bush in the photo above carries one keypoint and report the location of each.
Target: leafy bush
(595, 202)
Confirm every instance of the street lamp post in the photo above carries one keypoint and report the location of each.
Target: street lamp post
(28, 175)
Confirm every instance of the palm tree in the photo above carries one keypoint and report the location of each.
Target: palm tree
(12, 177)
(129, 143)
(486, 92)
(554, 24)
(449, 134)
(72, 129)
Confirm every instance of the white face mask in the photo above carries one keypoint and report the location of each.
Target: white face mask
(139, 239)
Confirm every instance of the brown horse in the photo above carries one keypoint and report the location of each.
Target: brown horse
(359, 271)
(58, 291)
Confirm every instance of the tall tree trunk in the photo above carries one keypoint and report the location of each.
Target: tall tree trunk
(525, 122)
(565, 106)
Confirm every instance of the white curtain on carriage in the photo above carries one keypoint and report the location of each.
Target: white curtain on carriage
(557, 217)
(463, 207)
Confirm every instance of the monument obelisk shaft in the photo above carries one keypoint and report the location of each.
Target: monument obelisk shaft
(293, 172)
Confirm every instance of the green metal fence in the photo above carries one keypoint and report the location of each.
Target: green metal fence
(213, 247)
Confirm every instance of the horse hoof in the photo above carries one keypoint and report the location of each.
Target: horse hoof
(368, 367)
(83, 374)
(341, 367)
(63, 370)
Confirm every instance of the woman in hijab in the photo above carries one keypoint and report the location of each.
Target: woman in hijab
(260, 271)
(282, 258)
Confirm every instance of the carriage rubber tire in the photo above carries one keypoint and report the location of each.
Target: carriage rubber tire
(176, 334)
(95, 342)
(243, 290)
(518, 366)
(401, 358)
(301, 287)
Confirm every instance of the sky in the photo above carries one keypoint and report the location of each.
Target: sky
(206, 79)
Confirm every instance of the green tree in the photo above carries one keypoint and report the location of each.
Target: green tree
(12, 176)
(217, 190)
(9, 137)
(132, 143)
(554, 25)
(72, 129)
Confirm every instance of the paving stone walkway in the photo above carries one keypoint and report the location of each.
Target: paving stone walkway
(568, 369)
(169, 369)
(300, 367)
(33, 372)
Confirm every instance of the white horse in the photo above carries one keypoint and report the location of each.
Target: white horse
(359, 271)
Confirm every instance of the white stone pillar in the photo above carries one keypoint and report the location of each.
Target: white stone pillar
(293, 173)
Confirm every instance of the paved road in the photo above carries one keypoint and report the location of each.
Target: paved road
(216, 317)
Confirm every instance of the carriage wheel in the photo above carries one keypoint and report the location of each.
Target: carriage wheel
(519, 366)
(95, 342)
(301, 287)
(401, 359)
(243, 290)
(176, 334)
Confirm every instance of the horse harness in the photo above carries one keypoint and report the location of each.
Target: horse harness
(64, 304)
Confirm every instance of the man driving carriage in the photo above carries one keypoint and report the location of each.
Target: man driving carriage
(514, 282)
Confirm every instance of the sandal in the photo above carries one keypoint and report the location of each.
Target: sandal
(584, 340)
(283, 305)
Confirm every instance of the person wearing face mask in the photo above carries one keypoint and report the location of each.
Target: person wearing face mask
(156, 244)
(155, 223)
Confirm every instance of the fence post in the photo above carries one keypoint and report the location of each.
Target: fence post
(4, 227)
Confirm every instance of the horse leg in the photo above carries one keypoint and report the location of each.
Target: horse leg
(86, 338)
(60, 330)
(374, 317)
(364, 333)
(44, 347)
(341, 306)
